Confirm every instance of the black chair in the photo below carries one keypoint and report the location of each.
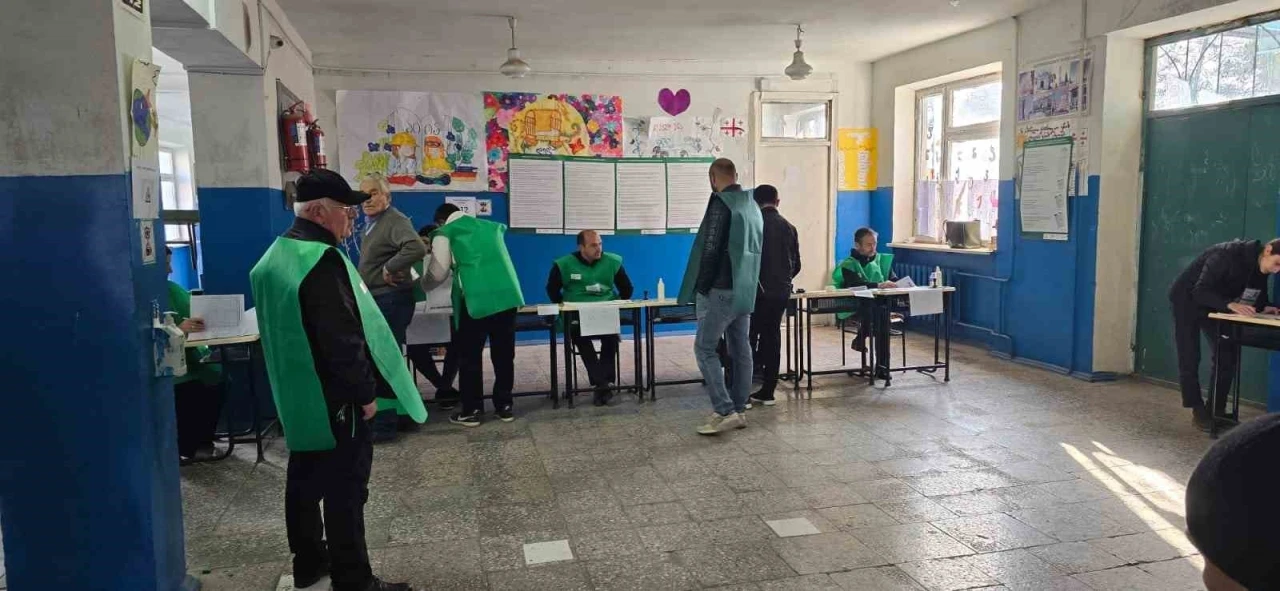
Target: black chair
(629, 318)
(849, 326)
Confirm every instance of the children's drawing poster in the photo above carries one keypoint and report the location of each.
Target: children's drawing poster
(1055, 88)
(637, 136)
(549, 125)
(418, 141)
(143, 122)
(1079, 175)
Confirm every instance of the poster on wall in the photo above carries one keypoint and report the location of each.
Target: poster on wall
(144, 124)
(636, 134)
(137, 8)
(146, 191)
(1042, 187)
(418, 141)
(549, 125)
(1079, 178)
(1055, 88)
(857, 158)
(147, 238)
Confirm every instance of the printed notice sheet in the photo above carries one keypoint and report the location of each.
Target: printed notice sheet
(536, 193)
(642, 195)
(589, 195)
(1046, 168)
(688, 189)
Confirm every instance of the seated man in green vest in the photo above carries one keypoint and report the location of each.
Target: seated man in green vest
(591, 275)
(721, 280)
(486, 297)
(867, 268)
(198, 395)
(333, 362)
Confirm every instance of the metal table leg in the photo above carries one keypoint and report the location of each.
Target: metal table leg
(551, 346)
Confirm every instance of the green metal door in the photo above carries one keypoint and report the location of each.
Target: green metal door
(1211, 176)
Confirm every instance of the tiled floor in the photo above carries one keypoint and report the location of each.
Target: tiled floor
(1006, 478)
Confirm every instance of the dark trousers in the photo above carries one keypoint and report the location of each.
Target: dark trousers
(397, 308)
(340, 478)
(500, 330)
(1189, 322)
(196, 406)
(768, 340)
(600, 368)
(871, 324)
(420, 355)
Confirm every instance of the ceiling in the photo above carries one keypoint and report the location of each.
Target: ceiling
(429, 34)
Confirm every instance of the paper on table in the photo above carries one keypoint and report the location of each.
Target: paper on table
(905, 282)
(428, 326)
(222, 315)
(687, 194)
(599, 320)
(863, 293)
(589, 195)
(548, 310)
(925, 302)
(642, 195)
(536, 193)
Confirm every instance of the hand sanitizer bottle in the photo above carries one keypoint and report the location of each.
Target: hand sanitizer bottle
(662, 290)
(935, 278)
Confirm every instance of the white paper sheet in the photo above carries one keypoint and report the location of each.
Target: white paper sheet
(536, 193)
(223, 316)
(146, 191)
(906, 282)
(548, 310)
(430, 326)
(599, 320)
(590, 196)
(642, 195)
(687, 192)
(1043, 195)
(925, 302)
(466, 205)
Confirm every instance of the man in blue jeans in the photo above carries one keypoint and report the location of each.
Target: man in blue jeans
(720, 280)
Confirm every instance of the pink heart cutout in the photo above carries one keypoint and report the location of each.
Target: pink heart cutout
(674, 103)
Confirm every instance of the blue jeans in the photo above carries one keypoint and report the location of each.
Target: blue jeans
(397, 308)
(716, 320)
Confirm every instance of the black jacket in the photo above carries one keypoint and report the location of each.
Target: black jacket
(715, 271)
(331, 319)
(853, 279)
(779, 256)
(1220, 276)
(555, 281)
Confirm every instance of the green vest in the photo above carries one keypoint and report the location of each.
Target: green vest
(746, 234)
(197, 369)
(875, 272)
(295, 386)
(588, 283)
(482, 269)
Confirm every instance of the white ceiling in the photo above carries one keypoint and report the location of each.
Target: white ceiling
(427, 34)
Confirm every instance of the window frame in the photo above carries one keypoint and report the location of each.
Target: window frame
(1152, 63)
(989, 130)
(827, 109)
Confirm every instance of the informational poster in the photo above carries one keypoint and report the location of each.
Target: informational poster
(688, 190)
(146, 191)
(1042, 191)
(549, 125)
(1055, 88)
(466, 205)
(1071, 128)
(537, 193)
(642, 196)
(857, 158)
(590, 195)
(144, 126)
(418, 141)
(147, 236)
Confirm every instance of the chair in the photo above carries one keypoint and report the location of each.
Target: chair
(850, 326)
(571, 387)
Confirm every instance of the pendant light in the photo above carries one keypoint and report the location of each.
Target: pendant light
(798, 70)
(514, 67)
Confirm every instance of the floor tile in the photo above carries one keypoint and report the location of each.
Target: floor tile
(857, 516)
(827, 553)
(912, 542)
(641, 572)
(885, 578)
(544, 552)
(915, 510)
(790, 528)
(734, 563)
(1157, 546)
(947, 574)
(992, 533)
(1014, 566)
(819, 582)
(1071, 524)
(556, 577)
(1077, 557)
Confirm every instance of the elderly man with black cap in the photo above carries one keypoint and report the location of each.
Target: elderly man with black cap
(332, 362)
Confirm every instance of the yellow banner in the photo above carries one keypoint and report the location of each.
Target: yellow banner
(858, 158)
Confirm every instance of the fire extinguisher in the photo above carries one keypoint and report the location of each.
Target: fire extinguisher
(315, 146)
(293, 128)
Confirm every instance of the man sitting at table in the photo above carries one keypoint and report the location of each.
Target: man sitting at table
(198, 395)
(1227, 277)
(591, 275)
(870, 269)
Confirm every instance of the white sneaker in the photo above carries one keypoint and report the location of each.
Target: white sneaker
(748, 406)
(718, 424)
(742, 421)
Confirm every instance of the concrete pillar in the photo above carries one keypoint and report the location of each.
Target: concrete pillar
(89, 491)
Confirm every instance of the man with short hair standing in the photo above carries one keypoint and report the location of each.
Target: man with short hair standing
(779, 265)
(591, 275)
(332, 362)
(721, 279)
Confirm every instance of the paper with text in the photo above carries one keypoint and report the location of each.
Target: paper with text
(223, 316)
(599, 320)
(925, 302)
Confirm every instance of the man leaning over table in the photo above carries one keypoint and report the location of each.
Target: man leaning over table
(591, 275)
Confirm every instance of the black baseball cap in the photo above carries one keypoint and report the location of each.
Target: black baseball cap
(321, 183)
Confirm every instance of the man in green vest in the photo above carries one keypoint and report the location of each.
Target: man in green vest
(721, 280)
(486, 298)
(591, 275)
(332, 362)
(867, 268)
(198, 396)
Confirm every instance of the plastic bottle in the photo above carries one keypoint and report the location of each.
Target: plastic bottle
(935, 278)
(662, 290)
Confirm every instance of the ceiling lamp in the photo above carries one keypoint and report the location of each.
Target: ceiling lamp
(514, 67)
(798, 70)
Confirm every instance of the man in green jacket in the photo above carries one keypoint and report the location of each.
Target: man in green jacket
(332, 362)
(867, 268)
(198, 396)
(591, 275)
(486, 298)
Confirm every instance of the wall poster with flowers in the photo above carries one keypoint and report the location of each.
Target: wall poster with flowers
(418, 141)
(549, 125)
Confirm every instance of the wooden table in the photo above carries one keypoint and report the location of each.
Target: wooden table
(254, 433)
(1229, 327)
(847, 300)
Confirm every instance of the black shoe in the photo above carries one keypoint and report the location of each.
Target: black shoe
(1201, 419)
(304, 580)
(858, 345)
(471, 419)
(380, 585)
(504, 414)
(761, 399)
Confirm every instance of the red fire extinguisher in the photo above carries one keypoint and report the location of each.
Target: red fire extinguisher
(293, 132)
(315, 146)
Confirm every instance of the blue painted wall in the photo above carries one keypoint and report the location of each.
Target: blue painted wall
(89, 481)
(1033, 300)
(853, 211)
(237, 224)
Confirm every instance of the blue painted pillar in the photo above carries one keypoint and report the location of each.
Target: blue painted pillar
(89, 491)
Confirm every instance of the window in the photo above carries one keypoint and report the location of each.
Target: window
(957, 156)
(794, 121)
(1240, 62)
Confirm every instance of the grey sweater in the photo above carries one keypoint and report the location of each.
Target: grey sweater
(392, 244)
